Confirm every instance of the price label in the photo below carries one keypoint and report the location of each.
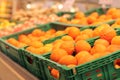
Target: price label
(109, 2)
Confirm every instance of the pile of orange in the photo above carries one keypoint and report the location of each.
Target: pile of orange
(93, 18)
(34, 40)
(76, 50)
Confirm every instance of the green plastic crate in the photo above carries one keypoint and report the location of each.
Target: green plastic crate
(28, 56)
(31, 60)
(99, 69)
(100, 11)
(12, 51)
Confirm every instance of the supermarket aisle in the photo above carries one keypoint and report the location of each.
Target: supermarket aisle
(9, 70)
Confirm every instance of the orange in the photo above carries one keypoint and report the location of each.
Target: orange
(32, 38)
(83, 21)
(79, 15)
(102, 41)
(68, 46)
(81, 37)
(96, 31)
(67, 60)
(58, 33)
(115, 25)
(82, 54)
(57, 43)
(13, 42)
(113, 48)
(55, 73)
(73, 32)
(115, 40)
(117, 21)
(37, 32)
(107, 33)
(21, 45)
(94, 14)
(98, 48)
(24, 39)
(97, 55)
(88, 32)
(82, 45)
(91, 19)
(36, 44)
(57, 54)
(62, 19)
(83, 57)
(102, 16)
(111, 11)
(67, 38)
(116, 14)
(75, 21)
(51, 31)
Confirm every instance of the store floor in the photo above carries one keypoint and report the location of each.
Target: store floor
(9, 70)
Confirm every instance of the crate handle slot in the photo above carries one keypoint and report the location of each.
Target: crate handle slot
(117, 63)
(7, 47)
(29, 59)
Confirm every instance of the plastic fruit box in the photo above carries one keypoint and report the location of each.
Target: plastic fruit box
(103, 68)
(98, 10)
(13, 52)
(31, 61)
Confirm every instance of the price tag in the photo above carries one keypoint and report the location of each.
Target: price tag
(68, 4)
(108, 2)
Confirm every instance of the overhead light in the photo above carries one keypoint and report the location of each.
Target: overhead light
(28, 6)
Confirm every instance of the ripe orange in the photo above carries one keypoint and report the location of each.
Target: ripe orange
(51, 31)
(57, 43)
(57, 54)
(88, 32)
(111, 11)
(98, 48)
(73, 32)
(75, 21)
(94, 14)
(13, 42)
(96, 31)
(113, 48)
(102, 41)
(115, 40)
(62, 19)
(81, 37)
(115, 25)
(55, 73)
(67, 38)
(82, 45)
(91, 19)
(37, 32)
(83, 57)
(79, 15)
(67, 60)
(68, 46)
(36, 44)
(24, 39)
(107, 33)
(117, 21)
(82, 54)
(58, 33)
